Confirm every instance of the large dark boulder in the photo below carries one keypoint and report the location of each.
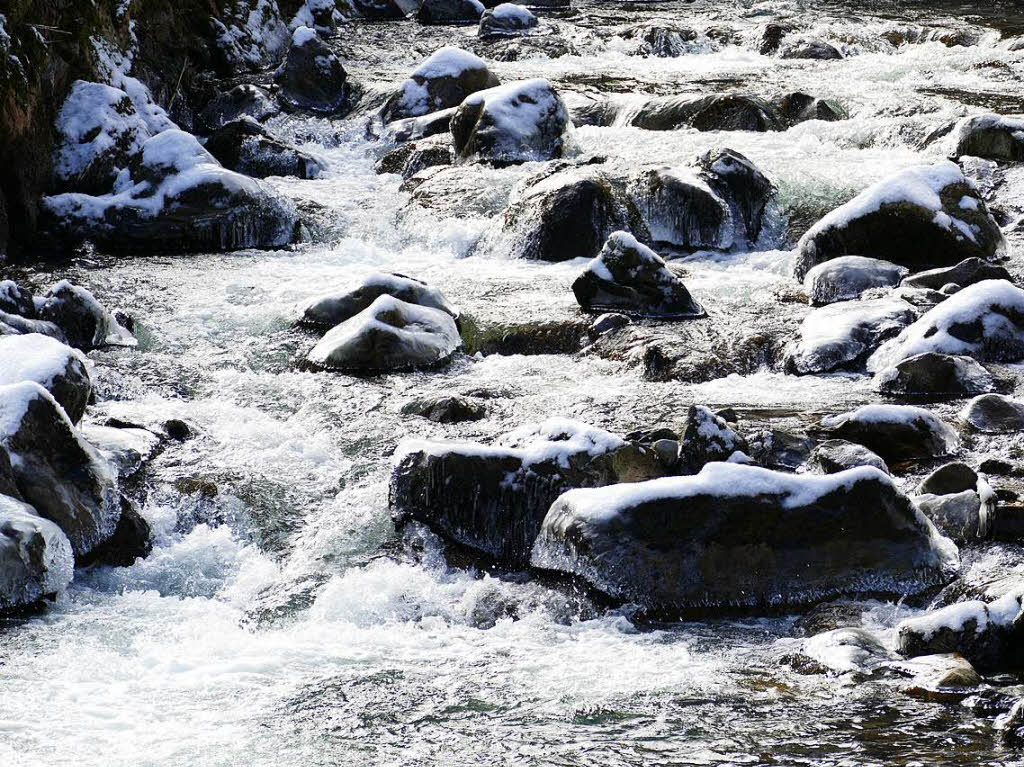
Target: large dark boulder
(443, 81)
(245, 146)
(934, 373)
(929, 216)
(992, 137)
(55, 470)
(895, 432)
(492, 499)
(520, 122)
(56, 367)
(630, 278)
(35, 556)
(674, 545)
(750, 194)
(681, 210)
(720, 112)
(312, 78)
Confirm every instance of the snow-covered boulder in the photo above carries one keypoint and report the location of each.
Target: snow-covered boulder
(443, 81)
(933, 373)
(519, 122)
(895, 432)
(681, 210)
(984, 321)
(506, 19)
(312, 78)
(568, 214)
(245, 146)
(842, 335)
(85, 322)
(15, 299)
(707, 437)
(175, 196)
(720, 112)
(99, 129)
(35, 556)
(56, 367)
(450, 12)
(334, 308)
(389, 335)
(743, 536)
(929, 216)
(835, 455)
(993, 137)
(250, 34)
(492, 499)
(846, 277)
(990, 636)
(964, 274)
(629, 277)
(55, 470)
(241, 101)
(994, 414)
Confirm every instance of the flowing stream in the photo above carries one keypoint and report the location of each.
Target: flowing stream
(282, 620)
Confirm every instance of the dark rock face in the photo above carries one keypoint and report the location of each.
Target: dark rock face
(631, 278)
(772, 36)
(443, 81)
(454, 409)
(706, 438)
(990, 636)
(312, 78)
(992, 137)
(964, 274)
(681, 210)
(962, 516)
(1012, 734)
(57, 368)
(493, 499)
(409, 159)
(569, 214)
(801, 107)
(35, 556)
(16, 300)
(83, 320)
(836, 455)
(389, 335)
(506, 19)
(243, 145)
(722, 112)
(933, 373)
(240, 101)
(748, 192)
(55, 470)
(951, 478)
(895, 432)
(846, 277)
(450, 12)
(994, 414)
(130, 541)
(885, 222)
(333, 309)
(412, 128)
(818, 50)
(514, 123)
(672, 545)
(662, 40)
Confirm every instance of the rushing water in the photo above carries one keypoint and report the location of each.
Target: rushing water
(281, 619)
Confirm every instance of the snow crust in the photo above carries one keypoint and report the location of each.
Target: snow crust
(14, 401)
(34, 357)
(514, 12)
(303, 35)
(448, 61)
(999, 614)
(518, 112)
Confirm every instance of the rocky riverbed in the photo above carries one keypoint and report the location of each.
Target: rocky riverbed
(619, 383)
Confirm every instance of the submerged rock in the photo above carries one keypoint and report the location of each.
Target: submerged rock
(409, 159)
(930, 216)
(492, 499)
(720, 112)
(843, 335)
(389, 335)
(990, 636)
(963, 516)
(994, 414)
(506, 19)
(334, 308)
(895, 432)
(443, 81)
(848, 650)
(836, 455)
(55, 469)
(519, 122)
(963, 274)
(35, 556)
(56, 367)
(243, 145)
(673, 544)
(984, 321)
(846, 277)
(312, 78)
(631, 278)
(933, 373)
(992, 137)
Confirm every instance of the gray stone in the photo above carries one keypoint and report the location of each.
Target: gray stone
(35, 556)
(845, 278)
(964, 274)
(994, 414)
(836, 455)
(933, 373)
(895, 432)
(333, 309)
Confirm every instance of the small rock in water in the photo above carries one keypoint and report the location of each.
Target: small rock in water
(847, 651)
(933, 373)
(631, 278)
(84, 321)
(964, 274)
(705, 438)
(846, 277)
(409, 159)
(450, 12)
(606, 323)
(35, 556)
(720, 112)
(836, 455)
(830, 616)
(951, 478)
(1012, 727)
(962, 516)
(801, 107)
(506, 19)
(993, 137)
(243, 145)
(334, 308)
(241, 101)
(446, 409)
(994, 414)
(942, 678)
(312, 78)
(811, 49)
(895, 432)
